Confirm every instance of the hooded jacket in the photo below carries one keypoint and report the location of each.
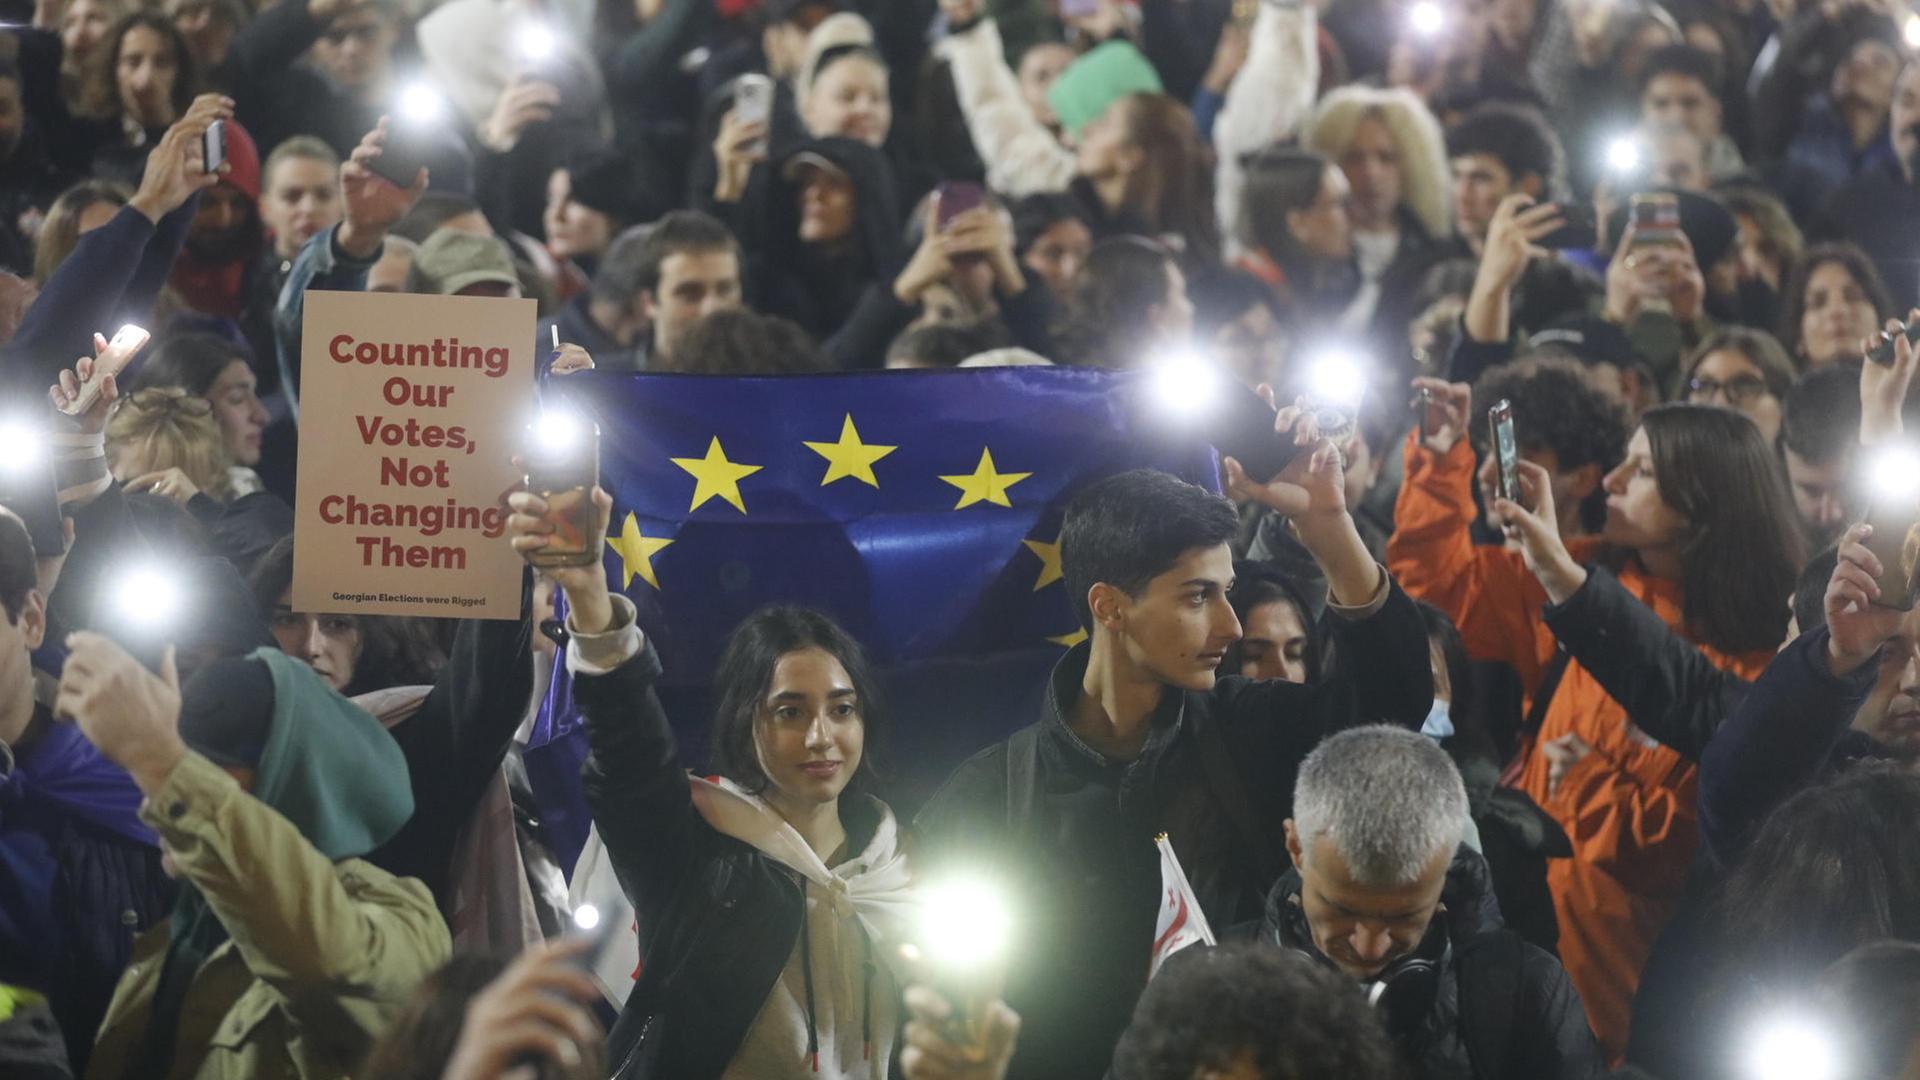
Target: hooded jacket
(1629, 806)
(1500, 1008)
(222, 286)
(310, 951)
(755, 957)
(800, 281)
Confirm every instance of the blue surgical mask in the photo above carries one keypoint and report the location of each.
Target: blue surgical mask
(1439, 723)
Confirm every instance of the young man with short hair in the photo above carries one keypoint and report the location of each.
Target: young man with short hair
(1495, 151)
(1677, 87)
(655, 282)
(1137, 736)
(1819, 436)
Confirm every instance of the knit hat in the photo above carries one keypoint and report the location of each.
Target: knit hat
(1097, 80)
(243, 161)
(451, 260)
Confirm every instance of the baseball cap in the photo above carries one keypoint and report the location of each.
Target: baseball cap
(452, 260)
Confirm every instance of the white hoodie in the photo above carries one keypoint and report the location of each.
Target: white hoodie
(856, 915)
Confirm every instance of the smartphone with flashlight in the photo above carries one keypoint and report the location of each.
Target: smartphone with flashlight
(404, 153)
(562, 455)
(957, 197)
(753, 104)
(1892, 520)
(213, 147)
(127, 341)
(1577, 231)
(1506, 450)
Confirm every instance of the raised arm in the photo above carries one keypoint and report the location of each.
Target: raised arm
(1021, 155)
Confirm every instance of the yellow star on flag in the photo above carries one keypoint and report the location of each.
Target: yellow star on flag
(1049, 562)
(850, 457)
(636, 552)
(1070, 640)
(984, 484)
(718, 477)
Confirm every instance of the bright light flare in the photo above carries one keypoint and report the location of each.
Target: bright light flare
(558, 432)
(22, 444)
(150, 597)
(1427, 18)
(964, 924)
(1185, 383)
(1793, 1047)
(1910, 30)
(1623, 154)
(538, 42)
(1894, 473)
(420, 103)
(586, 917)
(1338, 378)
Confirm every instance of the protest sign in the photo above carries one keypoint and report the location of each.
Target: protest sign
(412, 407)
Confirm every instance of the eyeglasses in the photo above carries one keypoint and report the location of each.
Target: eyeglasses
(1740, 390)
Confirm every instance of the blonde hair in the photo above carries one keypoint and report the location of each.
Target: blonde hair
(164, 427)
(1423, 150)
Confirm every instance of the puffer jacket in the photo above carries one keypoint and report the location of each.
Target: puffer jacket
(1524, 1020)
(1629, 807)
(296, 920)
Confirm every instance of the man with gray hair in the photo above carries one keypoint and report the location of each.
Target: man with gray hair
(1383, 890)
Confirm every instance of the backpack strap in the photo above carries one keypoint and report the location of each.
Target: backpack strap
(1490, 964)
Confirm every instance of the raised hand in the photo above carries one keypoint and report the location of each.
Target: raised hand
(1313, 484)
(67, 390)
(1856, 626)
(1536, 526)
(373, 202)
(1883, 388)
(740, 145)
(538, 1010)
(590, 607)
(175, 168)
(525, 102)
(1452, 411)
(931, 1055)
(128, 713)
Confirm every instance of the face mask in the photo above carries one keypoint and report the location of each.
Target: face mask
(1439, 723)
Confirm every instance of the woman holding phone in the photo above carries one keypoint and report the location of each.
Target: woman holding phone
(765, 893)
(1699, 529)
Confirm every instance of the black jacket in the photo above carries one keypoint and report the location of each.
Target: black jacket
(1080, 859)
(1500, 1009)
(718, 919)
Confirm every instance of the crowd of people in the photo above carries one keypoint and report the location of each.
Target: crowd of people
(1537, 699)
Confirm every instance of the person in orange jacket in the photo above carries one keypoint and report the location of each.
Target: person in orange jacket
(1698, 528)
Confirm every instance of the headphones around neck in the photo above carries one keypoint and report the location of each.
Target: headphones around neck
(1404, 992)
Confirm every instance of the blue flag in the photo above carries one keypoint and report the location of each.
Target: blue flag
(921, 510)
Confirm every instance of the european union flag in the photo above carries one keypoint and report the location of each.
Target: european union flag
(920, 509)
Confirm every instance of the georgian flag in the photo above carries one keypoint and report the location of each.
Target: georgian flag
(1181, 921)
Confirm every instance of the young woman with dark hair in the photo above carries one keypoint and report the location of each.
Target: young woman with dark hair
(144, 81)
(1277, 637)
(1700, 530)
(212, 367)
(768, 895)
(1295, 230)
(1833, 299)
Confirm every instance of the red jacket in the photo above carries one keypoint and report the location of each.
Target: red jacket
(1629, 806)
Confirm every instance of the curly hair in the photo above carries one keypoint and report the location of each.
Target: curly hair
(1557, 407)
(1251, 1003)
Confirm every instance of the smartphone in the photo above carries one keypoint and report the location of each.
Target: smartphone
(1505, 449)
(753, 103)
(403, 155)
(1577, 231)
(127, 341)
(1882, 353)
(958, 197)
(1655, 217)
(1427, 406)
(213, 147)
(1079, 9)
(1891, 525)
(563, 465)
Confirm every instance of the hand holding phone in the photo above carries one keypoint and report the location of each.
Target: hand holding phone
(112, 359)
(213, 147)
(957, 197)
(753, 104)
